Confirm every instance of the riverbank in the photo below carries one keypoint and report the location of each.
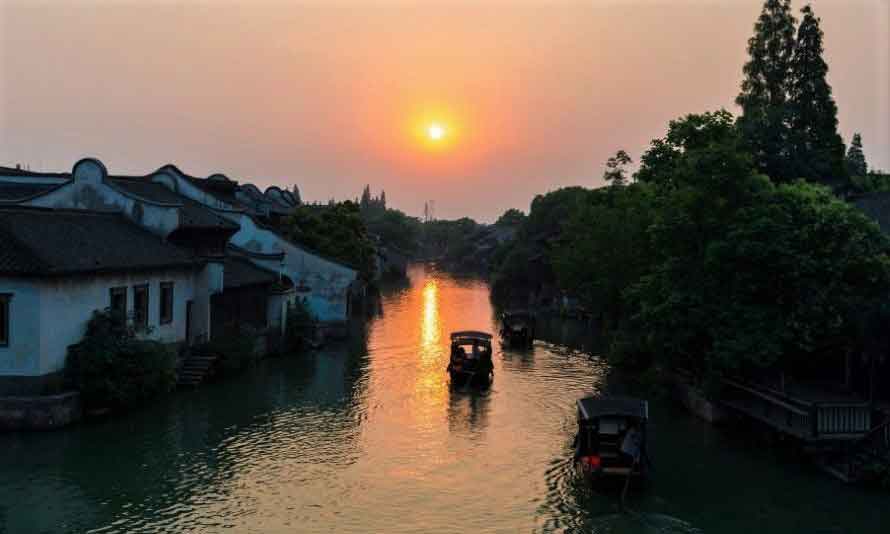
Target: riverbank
(366, 435)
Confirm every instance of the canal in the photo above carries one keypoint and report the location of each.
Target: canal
(368, 436)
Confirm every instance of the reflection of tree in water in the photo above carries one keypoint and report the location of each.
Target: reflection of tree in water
(574, 334)
(468, 408)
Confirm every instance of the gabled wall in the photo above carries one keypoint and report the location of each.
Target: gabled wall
(329, 281)
(90, 190)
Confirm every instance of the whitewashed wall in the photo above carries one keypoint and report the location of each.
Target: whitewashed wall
(21, 357)
(47, 315)
(329, 281)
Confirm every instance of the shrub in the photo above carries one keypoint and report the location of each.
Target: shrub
(112, 368)
(236, 349)
(298, 327)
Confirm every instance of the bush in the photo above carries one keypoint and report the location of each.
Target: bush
(298, 327)
(236, 349)
(111, 368)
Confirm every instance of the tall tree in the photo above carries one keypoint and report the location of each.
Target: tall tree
(383, 199)
(816, 146)
(764, 122)
(296, 192)
(616, 174)
(366, 197)
(855, 160)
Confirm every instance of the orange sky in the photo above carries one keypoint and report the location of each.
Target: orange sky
(328, 95)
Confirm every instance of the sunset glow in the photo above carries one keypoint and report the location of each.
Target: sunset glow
(435, 131)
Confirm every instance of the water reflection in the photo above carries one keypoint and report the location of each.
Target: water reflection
(368, 436)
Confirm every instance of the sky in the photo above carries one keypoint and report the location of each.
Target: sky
(331, 95)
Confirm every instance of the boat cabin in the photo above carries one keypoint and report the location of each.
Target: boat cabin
(470, 356)
(518, 327)
(611, 439)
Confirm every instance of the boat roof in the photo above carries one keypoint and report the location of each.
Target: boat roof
(595, 407)
(470, 334)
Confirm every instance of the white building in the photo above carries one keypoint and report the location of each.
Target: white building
(58, 266)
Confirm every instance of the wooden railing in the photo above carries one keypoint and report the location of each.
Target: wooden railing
(840, 419)
(803, 419)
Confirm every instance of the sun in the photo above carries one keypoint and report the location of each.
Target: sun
(435, 131)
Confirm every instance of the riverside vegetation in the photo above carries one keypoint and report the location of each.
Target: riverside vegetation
(731, 249)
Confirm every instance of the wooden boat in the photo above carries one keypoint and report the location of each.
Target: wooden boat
(611, 440)
(470, 357)
(518, 328)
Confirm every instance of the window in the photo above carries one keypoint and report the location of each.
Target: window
(4, 319)
(166, 313)
(140, 306)
(119, 300)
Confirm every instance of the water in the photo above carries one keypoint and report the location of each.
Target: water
(368, 437)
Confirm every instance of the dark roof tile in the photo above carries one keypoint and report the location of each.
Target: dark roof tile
(39, 241)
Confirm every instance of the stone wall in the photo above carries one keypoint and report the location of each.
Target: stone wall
(44, 412)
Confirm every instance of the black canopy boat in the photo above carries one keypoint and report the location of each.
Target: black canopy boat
(611, 439)
(471, 357)
(518, 327)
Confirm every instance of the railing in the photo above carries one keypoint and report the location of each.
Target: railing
(804, 419)
(839, 419)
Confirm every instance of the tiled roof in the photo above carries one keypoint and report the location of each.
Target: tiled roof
(192, 214)
(240, 272)
(876, 206)
(19, 190)
(38, 241)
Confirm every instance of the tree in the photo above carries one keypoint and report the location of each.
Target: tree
(366, 198)
(764, 122)
(296, 192)
(615, 169)
(511, 217)
(817, 150)
(383, 199)
(855, 159)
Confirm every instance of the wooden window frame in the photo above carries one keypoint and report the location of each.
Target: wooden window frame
(122, 290)
(165, 309)
(137, 323)
(5, 319)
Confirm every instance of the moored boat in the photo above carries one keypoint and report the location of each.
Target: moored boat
(518, 328)
(470, 357)
(611, 444)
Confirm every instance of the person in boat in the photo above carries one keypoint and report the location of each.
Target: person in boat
(631, 445)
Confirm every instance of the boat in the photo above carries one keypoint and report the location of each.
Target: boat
(470, 360)
(518, 328)
(611, 440)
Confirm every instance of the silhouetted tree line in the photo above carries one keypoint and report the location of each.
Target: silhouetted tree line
(728, 250)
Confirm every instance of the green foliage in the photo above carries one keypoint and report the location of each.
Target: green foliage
(298, 327)
(336, 231)
(817, 150)
(236, 349)
(873, 182)
(605, 248)
(765, 121)
(706, 264)
(112, 368)
(748, 273)
(616, 173)
(511, 217)
(394, 228)
(855, 160)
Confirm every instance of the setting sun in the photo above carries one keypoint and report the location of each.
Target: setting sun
(435, 131)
